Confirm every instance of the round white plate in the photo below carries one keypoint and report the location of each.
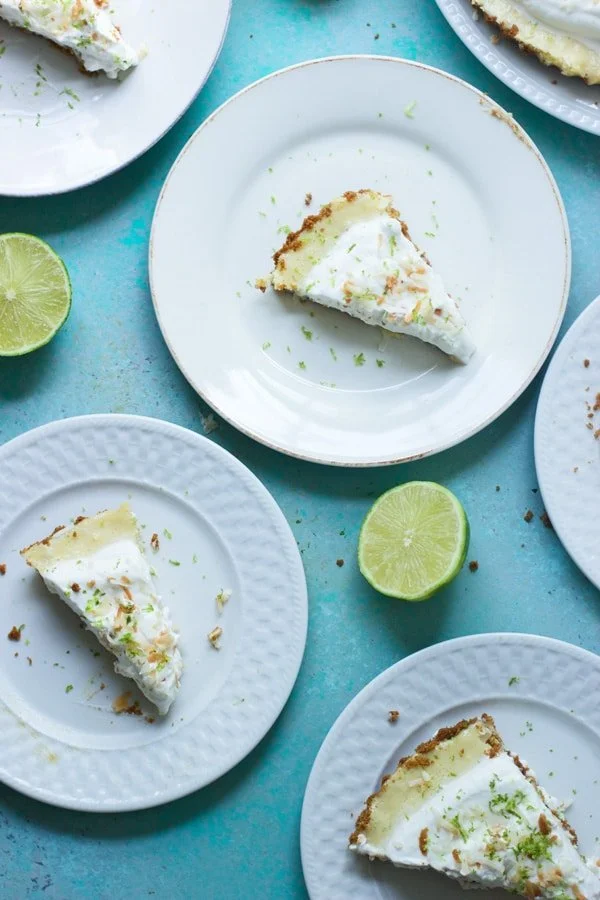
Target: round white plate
(551, 718)
(62, 129)
(569, 99)
(567, 453)
(213, 516)
(478, 198)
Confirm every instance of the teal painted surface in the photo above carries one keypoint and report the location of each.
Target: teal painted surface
(239, 837)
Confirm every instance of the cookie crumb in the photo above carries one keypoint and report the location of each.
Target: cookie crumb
(29, 660)
(473, 565)
(154, 542)
(14, 634)
(308, 199)
(586, 364)
(339, 563)
(261, 284)
(214, 637)
(528, 516)
(393, 716)
(2, 568)
(75, 587)
(546, 520)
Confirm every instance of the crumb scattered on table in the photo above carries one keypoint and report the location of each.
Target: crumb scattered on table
(261, 284)
(528, 516)
(586, 363)
(393, 716)
(339, 563)
(473, 565)
(214, 637)
(154, 542)
(546, 520)
(209, 423)
(2, 568)
(15, 633)
(308, 199)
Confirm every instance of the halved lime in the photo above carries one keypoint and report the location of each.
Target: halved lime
(413, 541)
(35, 293)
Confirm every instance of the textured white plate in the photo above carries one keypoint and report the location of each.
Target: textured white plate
(567, 455)
(61, 129)
(69, 748)
(341, 125)
(569, 99)
(551, 718)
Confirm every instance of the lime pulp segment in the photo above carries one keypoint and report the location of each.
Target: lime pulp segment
(413, 541)
(35, 293)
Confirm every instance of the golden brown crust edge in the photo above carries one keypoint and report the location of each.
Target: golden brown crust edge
(511, 33)
(294, 239)
(422, 755)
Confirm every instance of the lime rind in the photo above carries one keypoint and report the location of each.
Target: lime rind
(440, 539)
(40, 282)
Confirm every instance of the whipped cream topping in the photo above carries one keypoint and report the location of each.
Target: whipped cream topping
(577, 18)
(375, 273)
(489, 828)
(112, 591)
(84, 27)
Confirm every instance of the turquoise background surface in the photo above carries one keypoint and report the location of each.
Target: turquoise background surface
(239, 838)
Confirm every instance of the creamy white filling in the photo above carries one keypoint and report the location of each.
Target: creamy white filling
(375, 273)
(112, 591)
(483, 828)
(80, 26)
(578, 18)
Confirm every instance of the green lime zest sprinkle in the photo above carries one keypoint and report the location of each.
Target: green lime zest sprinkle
(68, 689)
(409, 109)
(461, 830)
(507, 806)
(194, 558)
(301, 364)
(307, 333)
(70, 93)
(535, 846)
(514, 680)
(333, 354)
(380, 363)
(174, 562)
(359, 359)
(266, 345)
(167, 533)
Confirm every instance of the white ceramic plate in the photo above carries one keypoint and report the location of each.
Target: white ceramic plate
(473, 189)
(62, 129)
(551, 718)
(567, 453)
(569, 99)
(68, 747)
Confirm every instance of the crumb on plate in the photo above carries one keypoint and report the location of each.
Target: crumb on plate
(214, 637)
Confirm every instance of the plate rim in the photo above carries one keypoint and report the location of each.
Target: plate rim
(112, 170)
(565, 347)
(198, 783)
(493, 58)
(395, 670)
(463, 436)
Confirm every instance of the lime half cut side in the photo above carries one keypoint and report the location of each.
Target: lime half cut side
(413, 541)
(35, 293)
